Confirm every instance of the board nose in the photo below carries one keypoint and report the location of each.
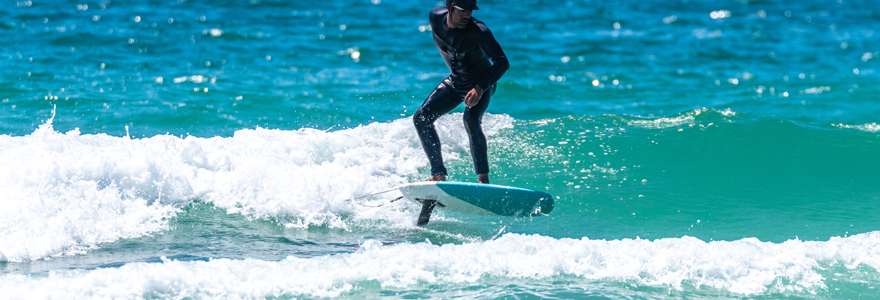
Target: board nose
(546, 204)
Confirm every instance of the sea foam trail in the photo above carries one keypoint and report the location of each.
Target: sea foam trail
(745, 267)
(65, 193)
(871, 127)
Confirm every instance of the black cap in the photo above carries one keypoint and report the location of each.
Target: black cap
(463, 4)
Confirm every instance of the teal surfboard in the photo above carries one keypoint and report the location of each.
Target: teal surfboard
(480, 199)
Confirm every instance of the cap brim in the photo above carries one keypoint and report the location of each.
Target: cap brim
(474, 7)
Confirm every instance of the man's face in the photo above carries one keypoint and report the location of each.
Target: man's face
(459, 18)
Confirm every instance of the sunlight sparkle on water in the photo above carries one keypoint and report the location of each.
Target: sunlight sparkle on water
(720, 14)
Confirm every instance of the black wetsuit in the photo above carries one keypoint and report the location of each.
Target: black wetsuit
(474, 58)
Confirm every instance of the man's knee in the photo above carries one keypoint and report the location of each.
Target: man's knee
(421, 119)
(471, 121)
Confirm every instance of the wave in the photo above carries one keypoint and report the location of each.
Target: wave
(743, 267)
(65, 193)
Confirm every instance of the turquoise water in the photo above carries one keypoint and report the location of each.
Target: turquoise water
(210, 149)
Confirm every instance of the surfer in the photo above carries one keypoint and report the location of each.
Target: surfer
(476, 62)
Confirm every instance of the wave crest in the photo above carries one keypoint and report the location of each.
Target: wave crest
(743, 267)
(66, 193)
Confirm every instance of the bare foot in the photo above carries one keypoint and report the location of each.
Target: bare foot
(437, 178)
(483, 178)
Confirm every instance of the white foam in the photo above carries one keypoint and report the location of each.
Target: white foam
(667, 122)
(747, 267)
(685, 118)
(66, 193)
(871, 127)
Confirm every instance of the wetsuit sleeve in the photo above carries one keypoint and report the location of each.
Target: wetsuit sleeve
(436, 12)
(490, 46)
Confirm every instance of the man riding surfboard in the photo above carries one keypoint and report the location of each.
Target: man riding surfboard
(475, 61)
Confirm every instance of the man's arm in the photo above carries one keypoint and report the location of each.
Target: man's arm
(436, 12)
(487, 43)
(490, 46)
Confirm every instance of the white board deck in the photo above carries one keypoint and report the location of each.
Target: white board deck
(480, 199)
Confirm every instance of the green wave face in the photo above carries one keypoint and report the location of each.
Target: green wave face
(715, 175)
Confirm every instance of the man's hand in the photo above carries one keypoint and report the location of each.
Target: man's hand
(473, 97)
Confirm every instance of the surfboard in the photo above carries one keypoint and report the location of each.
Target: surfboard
(476, 198)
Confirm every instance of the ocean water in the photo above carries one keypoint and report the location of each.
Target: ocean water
(211, 149)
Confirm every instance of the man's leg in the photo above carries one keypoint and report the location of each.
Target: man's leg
(441, 101)
(473, 118)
